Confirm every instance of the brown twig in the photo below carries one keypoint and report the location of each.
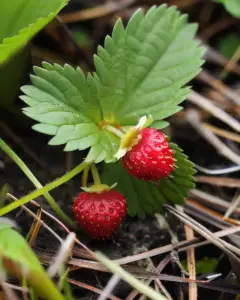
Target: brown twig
(206, 104)
(220, 181)
(223, 133)
(194, 120)
(191, 264)
(8, 292)
(16, 287)
(205, 216)
(36, 225)
(228, 170)
(163, 263)
(91, 288)
(227, 248)
(235, 203)
(106, 293)
(64, 37)
(212, 213)
(218, 26)
(231, 64)
(90, 253)
(37, 218)
(219, 86)
(212, 200)
(96, 12)
(180, 246)
(39, 54)
(180, 4)
(214, 56)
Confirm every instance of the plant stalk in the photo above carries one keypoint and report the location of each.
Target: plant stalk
(85, 176)
(41, 190)
(114, 130)
(96, 177)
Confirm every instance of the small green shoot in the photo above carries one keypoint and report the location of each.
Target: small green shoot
(203, 266)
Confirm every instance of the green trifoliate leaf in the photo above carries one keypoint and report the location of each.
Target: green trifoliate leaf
(144, 197)
(65, 104)
(142, 69)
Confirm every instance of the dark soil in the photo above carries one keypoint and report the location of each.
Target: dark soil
(133, 237)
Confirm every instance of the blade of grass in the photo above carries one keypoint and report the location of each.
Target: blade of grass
(64, 285)
(191, 264)
(41, 191)
(35, 181)
(130, 279)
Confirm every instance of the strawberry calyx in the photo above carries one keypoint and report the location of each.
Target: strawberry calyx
(98, 188)
(132, 136)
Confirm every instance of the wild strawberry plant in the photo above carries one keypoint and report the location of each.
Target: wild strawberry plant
(140, 78)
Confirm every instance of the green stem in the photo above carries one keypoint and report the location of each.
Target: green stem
(85, 176)
(48, 187)
(114, 130)
(129, 278)
(96, 177)
(37, 184)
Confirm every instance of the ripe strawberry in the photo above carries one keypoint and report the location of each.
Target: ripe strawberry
(100, 213)
(151, 158)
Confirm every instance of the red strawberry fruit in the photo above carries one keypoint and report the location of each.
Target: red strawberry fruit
(100, 213)
(151, 158)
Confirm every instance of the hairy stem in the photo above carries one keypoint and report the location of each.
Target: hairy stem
(48, 187)
(41, 190)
